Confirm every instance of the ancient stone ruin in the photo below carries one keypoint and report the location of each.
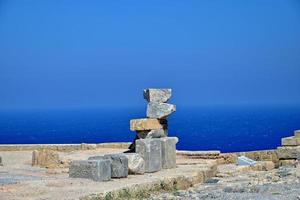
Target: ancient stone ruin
(289, 152)
(151, 150)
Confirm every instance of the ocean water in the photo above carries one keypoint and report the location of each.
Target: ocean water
(198, 128)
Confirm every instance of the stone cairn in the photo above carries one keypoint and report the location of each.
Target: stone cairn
(156, 123)
(289, 151)
(151, 151)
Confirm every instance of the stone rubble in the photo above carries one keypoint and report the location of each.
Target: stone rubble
(274, 184)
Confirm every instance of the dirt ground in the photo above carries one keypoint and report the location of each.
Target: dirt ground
(20, 180)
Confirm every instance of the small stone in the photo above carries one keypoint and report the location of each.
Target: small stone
(119, 165)
(290, 141)
(283, 172)
(157, 95)
(45, 158)
(136, 164)
(145, 124)
(97, 170)
(160, 110)
(168, 152)
(244, 161)
(150, 151)
(157, 133)
(288, 152)
(212, 181)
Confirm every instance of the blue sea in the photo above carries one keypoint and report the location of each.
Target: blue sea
(229, 129)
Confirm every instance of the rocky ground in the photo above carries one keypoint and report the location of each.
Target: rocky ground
(282, 183)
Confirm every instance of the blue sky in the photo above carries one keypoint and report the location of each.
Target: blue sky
(61, 54)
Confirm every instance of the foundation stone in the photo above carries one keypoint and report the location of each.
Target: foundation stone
(150, 151)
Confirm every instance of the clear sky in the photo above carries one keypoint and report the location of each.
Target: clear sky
(60, 54)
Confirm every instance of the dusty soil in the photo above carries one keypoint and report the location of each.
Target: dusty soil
(20, 180)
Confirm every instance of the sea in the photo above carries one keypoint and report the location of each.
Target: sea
(224, 128)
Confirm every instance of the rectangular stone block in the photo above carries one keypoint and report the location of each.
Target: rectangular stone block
(168, 152)
(287, 162)
(290, 141)
(297, 133)
(145, 124)
(288, 152)
(157, 95)
(97, 170)
(244, 161)
(119, 165)
(150, 151)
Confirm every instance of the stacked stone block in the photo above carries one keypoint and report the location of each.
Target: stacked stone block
(289, 151)
(151, 141)
(158, 110)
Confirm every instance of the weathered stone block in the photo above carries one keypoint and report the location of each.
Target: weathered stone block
(45, 158)
(290, 141)
(119, 165)
(288, 152)
(160, 110)
(244, 161)
(136, 164)
(157, 95)
(1, 164)
(263, 166)
(297, 133)
(97, 170)
(168, 152)
(157, 133)
(145, 124)
(287, 162)
(150, 151)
